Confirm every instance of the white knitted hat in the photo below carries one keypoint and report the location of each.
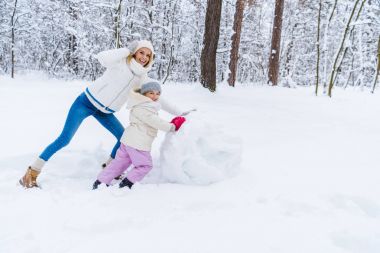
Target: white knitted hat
(136, 45)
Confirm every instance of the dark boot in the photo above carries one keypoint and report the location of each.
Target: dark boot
(104, 165)
(96, 184)
(125, 182)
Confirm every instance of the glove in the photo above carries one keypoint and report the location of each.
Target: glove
(132, 46)
(178, 121)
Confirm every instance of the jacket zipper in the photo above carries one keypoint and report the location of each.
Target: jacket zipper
(122, 90)
(102, 87)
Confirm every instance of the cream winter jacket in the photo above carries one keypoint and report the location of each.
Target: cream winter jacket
(110, 91)
(144, 122)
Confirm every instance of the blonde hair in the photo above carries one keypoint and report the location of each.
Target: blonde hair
(129, 58)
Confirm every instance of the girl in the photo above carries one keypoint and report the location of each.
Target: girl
(125, 69)
(138, 137)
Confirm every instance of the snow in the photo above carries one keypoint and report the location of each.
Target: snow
(307, 180)
(208, 156)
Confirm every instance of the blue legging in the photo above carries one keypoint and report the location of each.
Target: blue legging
(81, 109)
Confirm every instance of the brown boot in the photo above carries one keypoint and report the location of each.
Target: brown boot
(29, 180)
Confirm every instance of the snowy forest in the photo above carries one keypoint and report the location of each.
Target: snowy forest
(278, 151)
(314, 43)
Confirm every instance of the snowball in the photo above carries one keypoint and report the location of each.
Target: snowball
(199, 153)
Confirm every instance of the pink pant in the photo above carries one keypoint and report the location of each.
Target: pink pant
(125, 156)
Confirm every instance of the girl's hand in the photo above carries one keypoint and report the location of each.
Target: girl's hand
(178, 121)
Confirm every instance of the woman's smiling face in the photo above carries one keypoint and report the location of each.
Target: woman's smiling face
(143, 56)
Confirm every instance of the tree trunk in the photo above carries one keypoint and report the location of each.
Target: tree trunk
(326, 47)
(334, 68)
(339, 68)
(210, 44)
(378, 66)
(351, 35)
(13, 53)
(117, 20)
(234, 55)
(318, 47)
(169, 64)
(274, 59)
(13, 40)
(73, 43)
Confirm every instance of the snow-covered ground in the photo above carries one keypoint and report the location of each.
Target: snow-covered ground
(308, 178)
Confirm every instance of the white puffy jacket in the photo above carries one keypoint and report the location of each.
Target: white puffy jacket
(110, 91)
(144, 122)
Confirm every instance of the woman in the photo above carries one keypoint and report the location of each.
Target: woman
(126, 69)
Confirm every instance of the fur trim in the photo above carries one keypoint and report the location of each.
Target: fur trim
(136, 98)
(38, 164)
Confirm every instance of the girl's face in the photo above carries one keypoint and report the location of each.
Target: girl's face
(154, 95)
(143, 56)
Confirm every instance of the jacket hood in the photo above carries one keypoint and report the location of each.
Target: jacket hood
(135, 98)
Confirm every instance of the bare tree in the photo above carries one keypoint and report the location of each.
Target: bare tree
(13, 24)
(171, 26)
(234, 55)
(340, 50)
(325, 44)
(378, 66)
(73, 60)
(274, 58)
(318, 47)
(17, 24)
(210, 44)
(117, 24)
(345, 53)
